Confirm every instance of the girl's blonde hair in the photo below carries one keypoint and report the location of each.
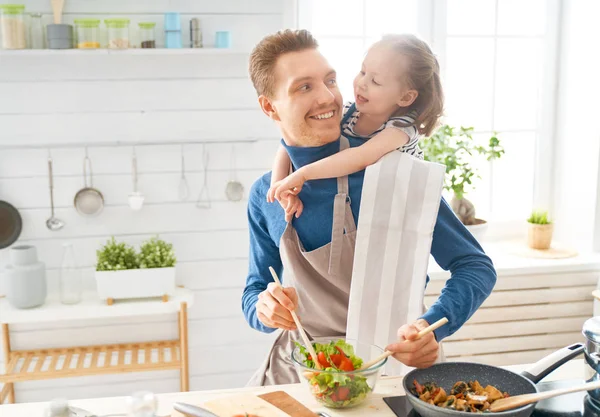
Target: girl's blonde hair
(423, 75)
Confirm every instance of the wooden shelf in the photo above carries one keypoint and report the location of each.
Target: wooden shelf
(74, 361)
(31, 365)
(131, 51)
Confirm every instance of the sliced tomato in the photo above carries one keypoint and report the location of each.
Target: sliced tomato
(343, 393)
(323, 360)
(341, 351)
(336, 358)
(346, 365)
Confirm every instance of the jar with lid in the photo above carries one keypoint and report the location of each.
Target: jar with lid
(147, 36)
(87, 32)
(118, 33)
(12, 26)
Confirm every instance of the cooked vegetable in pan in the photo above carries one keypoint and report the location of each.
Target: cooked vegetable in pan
(471, 397)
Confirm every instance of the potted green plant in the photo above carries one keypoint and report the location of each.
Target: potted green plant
(123, 273)
(456, 149)
(539, 235)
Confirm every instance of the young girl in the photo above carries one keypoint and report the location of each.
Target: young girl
(398, 97)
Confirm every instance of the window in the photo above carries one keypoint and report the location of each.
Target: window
(498, 60)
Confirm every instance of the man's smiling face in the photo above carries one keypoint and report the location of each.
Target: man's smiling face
(306, 102)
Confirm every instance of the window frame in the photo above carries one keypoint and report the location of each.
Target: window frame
(431, 26)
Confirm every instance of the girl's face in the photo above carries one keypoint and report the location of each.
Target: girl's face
(380, 87)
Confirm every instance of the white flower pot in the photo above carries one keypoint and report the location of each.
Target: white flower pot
(135, 283)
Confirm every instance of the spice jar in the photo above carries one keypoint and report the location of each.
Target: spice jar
(147, 37)
(118, 33)
(12, 24)
(88, 33)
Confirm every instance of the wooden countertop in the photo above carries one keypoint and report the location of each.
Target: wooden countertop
(374, 406)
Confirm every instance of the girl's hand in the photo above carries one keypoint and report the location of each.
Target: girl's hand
(292, 205)
(292, 184)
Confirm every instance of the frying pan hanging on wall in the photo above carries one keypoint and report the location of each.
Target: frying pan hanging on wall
(11, 224)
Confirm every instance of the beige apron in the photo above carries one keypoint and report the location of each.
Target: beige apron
(322, 279)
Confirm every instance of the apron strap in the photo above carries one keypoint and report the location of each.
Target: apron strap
(342, 214)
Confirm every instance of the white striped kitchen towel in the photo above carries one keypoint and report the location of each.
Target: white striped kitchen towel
(400, 201)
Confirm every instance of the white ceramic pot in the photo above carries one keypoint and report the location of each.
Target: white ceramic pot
(26, 278)
(135, 283)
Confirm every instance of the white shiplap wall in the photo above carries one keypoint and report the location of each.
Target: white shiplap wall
(100, 99)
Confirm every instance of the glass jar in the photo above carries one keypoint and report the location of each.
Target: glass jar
(118, 33)
(36, 31)
(147, 37)
(87, 32)
(70, 277)
(12, 25)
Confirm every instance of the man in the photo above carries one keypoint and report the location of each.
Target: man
(297, 89)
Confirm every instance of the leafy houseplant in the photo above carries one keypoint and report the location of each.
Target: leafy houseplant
(539, 235)
(116, 257)
(121, 272)
(156, 253)
(456, 149)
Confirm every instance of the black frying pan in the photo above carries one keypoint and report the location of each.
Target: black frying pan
(445, 375)
(10, 224)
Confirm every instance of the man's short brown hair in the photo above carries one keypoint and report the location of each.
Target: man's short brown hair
(265, 54)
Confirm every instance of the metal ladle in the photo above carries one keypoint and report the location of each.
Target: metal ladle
(184, 189)
(52, 223)
(234, 189)
(136, 198)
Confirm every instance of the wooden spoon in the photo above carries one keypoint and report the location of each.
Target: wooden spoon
(57, 9)
(422, 333)
(307, 342)
(521, 400)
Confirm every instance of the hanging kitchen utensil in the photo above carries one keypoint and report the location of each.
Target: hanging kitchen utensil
(11, 224)
(52, 223)
(88, 201)
(184, 189)
(234, 189)
(136, 198)
(204, 196)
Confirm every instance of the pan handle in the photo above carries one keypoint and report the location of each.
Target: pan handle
(545, 366)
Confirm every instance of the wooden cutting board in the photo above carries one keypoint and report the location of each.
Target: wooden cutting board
(287, 403)
(273, 404)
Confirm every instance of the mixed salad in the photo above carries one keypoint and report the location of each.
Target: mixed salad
(336, 387)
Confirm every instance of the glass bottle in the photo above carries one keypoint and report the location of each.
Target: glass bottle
(36, 31)
(59, 407)
(70, 277)
(142, 404)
